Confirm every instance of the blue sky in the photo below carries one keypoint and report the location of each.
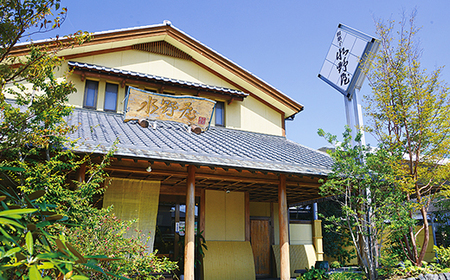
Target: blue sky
(282, 42)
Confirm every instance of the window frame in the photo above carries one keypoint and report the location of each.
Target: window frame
(116, 97)
(222, 113)
(86, 92)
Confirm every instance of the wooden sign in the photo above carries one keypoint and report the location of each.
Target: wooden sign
(190, 110)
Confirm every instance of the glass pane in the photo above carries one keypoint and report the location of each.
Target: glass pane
(90, 94)
(220, 113)
(111, 97)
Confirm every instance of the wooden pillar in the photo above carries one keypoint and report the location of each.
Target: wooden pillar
(189, 238)
(202, 212)
(176, 247)
(285, 270)
(81, 173)
(247, 216)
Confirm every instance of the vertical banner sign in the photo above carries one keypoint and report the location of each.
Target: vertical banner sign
(345, 63)
(191, 110)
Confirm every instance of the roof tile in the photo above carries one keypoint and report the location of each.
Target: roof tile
(170, 141)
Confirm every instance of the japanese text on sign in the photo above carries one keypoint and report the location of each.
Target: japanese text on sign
(342, 61)
(142, 104)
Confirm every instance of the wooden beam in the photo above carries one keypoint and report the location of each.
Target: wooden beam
(189, 245)
(175, 190)
(225, 177)
(99, 52)
(285, 271)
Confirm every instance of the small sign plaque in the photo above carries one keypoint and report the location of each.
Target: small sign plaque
(191, 110)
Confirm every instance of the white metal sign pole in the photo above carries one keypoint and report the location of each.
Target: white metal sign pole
(353, 114)
(358, 115)
(349, 116)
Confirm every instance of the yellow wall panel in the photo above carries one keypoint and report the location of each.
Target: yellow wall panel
(135, 199)
(235, 216)
(214, 215)
(228, 260)
(429, 254)
(260, 209)
(224, 216)
(155, 64)
(254, 112)
(300, 257)
(300, 234)
(276, 225)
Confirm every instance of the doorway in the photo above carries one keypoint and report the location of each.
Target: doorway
(261, 245)
(170, 226)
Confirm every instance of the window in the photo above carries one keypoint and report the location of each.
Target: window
(111, 97)
(220, 113)
(90, 94)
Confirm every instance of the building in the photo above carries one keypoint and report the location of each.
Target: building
(232, 183)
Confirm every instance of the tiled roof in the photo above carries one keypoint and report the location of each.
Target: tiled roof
(172, 142)
(115, 71)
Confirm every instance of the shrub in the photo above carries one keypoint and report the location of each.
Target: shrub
(335, 264)
(102, 233)
(408, 269)
(28, 250)
(314, 273)
(347, 276)
(443, 255)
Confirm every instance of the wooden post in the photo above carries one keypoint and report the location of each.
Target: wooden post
(247, 216)
(81, 173)
(176, 249)
(202, 212)
(285, 270)
(189, 238)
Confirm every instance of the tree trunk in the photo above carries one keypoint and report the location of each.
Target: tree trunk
(426, 234)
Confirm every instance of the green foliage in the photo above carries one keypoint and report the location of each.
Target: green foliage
(335, 264)
(199, 249)
(347, 275)
(337, 242)
(362, 183)
(35, 156)
(314, 274)
(33, 132)
(26, 18)
(443, 255)
(442, 215)
(408, 269)
(28, 250)
(102, 233)
(408, 111)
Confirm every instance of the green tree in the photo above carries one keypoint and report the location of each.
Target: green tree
(21, 19)
(336, 241)
(33, 157)
(36, 157)
(361, 182)
(408, 114)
